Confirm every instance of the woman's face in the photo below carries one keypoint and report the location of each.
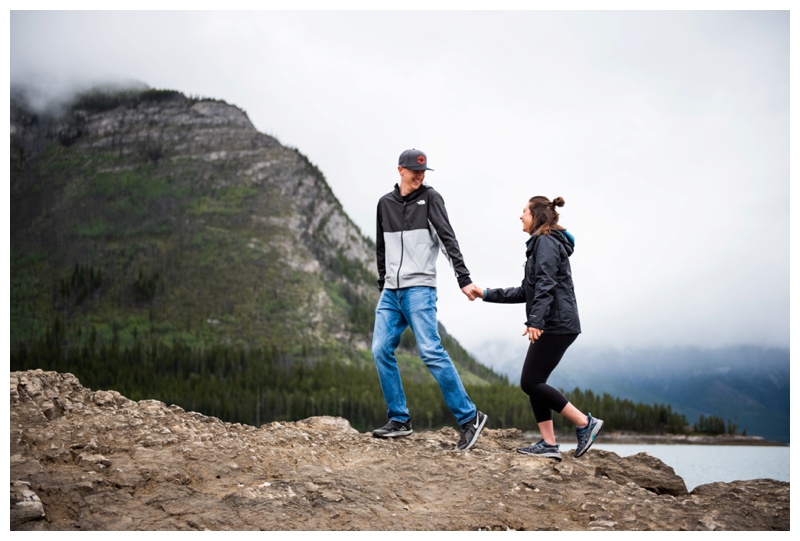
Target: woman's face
(527, 219)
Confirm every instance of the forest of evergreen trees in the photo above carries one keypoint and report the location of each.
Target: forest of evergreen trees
(256, 386)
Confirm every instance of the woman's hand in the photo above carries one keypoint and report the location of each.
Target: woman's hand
(472, 291)
(532, 333)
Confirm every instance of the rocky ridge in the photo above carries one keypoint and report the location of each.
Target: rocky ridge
(189, 191)
(84, 460)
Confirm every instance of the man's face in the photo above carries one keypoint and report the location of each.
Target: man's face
(410, 180)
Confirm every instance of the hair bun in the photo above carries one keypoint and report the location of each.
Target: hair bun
(558, 202)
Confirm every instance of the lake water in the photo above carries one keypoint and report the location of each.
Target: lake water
(701, 464)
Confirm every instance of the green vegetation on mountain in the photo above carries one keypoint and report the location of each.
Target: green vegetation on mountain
(133, 235)
(163, 248)
(255, 386)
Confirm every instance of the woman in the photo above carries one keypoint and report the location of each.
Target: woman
(552, 323)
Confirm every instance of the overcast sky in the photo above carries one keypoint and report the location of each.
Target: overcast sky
(666, 132)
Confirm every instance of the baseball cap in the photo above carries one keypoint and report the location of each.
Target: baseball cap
(414, 159)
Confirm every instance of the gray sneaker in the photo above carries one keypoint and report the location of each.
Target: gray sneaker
(471, 430)
(543, 449)
(587, 434)
(393, 429)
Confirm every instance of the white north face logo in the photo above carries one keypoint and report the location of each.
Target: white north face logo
(421, 202)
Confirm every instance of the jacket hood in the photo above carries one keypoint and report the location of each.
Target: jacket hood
(564, 237)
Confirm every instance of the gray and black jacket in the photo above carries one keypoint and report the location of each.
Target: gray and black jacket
(547, 289)
(410, 232)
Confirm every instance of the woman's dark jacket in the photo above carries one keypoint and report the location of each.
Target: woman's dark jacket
(547, 288)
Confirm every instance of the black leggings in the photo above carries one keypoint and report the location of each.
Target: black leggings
(542, 358)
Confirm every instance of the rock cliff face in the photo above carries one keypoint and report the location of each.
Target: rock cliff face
(94, 460)
(193, 219)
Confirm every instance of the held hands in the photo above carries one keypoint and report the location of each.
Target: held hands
(472, 291)
(533, 334)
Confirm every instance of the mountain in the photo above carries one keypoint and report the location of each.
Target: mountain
(747, 385)
(142, 214)
(196, 223)
(146, 225)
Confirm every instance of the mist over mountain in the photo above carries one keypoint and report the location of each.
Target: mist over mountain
(749, 385)
(187, 216)
(140, 214)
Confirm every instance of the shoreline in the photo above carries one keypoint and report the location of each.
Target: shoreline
(684, 439)
(661, 439)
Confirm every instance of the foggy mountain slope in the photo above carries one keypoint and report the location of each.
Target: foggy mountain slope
(145, 213)
(184, 195)
(747, 384)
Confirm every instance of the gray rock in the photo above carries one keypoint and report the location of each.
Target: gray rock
(25, 504)
(291, 220)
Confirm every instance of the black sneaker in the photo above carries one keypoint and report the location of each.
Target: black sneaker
(471, 430)
(587, 434)
(393, 429)
(543, 449)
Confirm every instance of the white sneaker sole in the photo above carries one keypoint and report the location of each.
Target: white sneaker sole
(553, 455)
(392, 434)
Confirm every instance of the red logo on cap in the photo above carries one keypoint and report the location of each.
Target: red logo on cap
(421, 160)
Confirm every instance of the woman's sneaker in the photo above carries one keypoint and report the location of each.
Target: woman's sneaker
(543, 449)
(587, 434)
(393, 429)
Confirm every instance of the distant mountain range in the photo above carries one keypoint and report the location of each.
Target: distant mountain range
(747, 385)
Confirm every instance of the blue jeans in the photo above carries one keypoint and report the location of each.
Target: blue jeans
(415, 307)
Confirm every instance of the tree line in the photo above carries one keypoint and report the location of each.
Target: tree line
(255, 386)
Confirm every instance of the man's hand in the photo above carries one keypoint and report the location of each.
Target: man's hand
(472, 291)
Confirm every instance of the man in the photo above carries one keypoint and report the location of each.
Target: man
(412, 224)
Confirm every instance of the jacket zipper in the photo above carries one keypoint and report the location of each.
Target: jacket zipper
(402, 251)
